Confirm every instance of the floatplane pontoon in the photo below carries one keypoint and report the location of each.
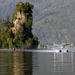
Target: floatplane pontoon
(40, 50)
(52, 51)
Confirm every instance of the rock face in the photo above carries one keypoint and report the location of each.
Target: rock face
(18, 23)
(22, 17)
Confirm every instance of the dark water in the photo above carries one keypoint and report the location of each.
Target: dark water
(36, 63)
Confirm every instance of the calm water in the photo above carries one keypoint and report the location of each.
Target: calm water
(36, 63)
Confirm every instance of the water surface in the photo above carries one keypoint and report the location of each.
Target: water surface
(37, 63)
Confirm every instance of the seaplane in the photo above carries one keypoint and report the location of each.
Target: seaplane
(64, 50)
(54, 49)
(61, 49)
(51, 51)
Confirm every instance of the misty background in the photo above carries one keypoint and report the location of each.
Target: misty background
(53, 20)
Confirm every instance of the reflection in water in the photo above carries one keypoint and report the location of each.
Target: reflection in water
(18, 63)
(6, 63)
(72, 61)
(22, 63)
(53, 63)
(36, 63)
(63, 62)
(15, 63)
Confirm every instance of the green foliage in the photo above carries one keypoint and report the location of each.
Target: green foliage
(10, 25)
(6, 36)
(24, 37)
(25, 7)
(35, 42)
(28, 23)
(35, 38)
(28, 7)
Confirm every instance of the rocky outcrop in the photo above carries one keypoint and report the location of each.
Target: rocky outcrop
(19, 33)
(18, 22)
